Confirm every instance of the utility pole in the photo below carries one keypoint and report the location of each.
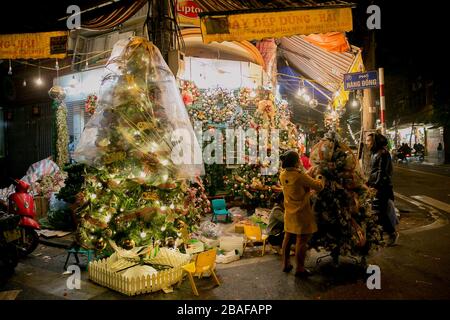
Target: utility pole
(369, 109)
(162, 26)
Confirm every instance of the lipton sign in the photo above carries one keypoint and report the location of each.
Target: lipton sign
(188, 13)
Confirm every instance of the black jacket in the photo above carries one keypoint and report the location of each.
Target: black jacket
(380, 170)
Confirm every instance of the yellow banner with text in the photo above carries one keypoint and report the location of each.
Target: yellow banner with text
(255, 26)
(34, 45)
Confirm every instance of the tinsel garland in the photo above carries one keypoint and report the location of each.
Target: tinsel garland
(62, 136)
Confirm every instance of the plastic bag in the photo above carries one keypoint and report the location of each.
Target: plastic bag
(140, 111)
(209, 230)
(228, 257)
(231, 243)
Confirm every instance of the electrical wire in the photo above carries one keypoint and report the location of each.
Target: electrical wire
(65, 67)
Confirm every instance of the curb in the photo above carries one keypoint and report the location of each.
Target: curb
(64, 244)
(440, 219)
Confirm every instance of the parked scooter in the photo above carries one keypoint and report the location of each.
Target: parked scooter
(21, 203)
(9, 237)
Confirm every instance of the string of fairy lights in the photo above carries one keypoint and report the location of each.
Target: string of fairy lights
(38, 80)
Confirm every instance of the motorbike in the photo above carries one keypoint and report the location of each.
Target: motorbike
(9, 237)
(21, 203)
(419, 155)
(402, 156)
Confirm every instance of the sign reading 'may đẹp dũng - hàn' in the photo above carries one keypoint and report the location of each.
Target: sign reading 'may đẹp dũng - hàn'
(255, 26)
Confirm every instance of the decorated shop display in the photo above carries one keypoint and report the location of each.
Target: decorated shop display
(213, 106)
(247, 181)
(197, 196)
(61, 137)
(346, 224)
(189, 92)
(91, 104)
(134, 193)
(245, 97)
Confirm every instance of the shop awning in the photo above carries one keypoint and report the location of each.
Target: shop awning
(258, 19)
(317, 64)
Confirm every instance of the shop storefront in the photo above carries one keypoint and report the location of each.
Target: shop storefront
(426, 134)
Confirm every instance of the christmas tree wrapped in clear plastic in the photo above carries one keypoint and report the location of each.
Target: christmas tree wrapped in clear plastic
(141, 151)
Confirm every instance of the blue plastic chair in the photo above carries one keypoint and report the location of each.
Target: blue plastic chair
(219, 209)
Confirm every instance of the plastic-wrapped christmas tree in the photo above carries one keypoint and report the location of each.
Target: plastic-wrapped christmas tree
(346, 224)
(136, 190)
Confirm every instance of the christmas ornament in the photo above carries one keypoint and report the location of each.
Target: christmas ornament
(57, 93)
(100, 245)
(128, 244)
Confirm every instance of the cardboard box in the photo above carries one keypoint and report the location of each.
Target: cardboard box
(195, 246)
(239, 227)
(41, 206)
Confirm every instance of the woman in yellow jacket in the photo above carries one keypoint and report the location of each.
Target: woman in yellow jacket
(299, 218)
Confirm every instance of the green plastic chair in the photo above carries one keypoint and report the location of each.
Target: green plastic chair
(220, 209)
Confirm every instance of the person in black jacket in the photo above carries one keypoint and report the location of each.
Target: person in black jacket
(381, 179)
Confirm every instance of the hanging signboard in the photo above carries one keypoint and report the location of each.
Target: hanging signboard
(34, 45)
(256, 26)
(360, 80)
(343, 95)
(187, 12)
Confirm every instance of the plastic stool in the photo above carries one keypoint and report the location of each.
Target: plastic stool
(77, 250)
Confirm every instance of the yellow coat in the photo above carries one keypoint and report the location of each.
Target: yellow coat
(298, 214)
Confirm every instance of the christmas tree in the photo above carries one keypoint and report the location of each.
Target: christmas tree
(346, 224)
(248, 181)
(135, 192)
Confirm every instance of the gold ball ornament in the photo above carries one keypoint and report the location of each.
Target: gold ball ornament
(57, 93)
(100, 244)
(128, 244)
(107, 233)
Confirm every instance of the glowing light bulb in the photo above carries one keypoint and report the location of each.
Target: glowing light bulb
(355, 103)
(73, 82)
(153, 147)
(24, 83)
(306, 97)
(301, 91)
(39, 81)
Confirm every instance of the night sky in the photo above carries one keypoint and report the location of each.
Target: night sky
(413, 38)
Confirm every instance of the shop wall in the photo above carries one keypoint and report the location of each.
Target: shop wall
(28, 138)
(434, 136)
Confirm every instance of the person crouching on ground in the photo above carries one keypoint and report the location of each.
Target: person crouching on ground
(299, 219)
(275, 228)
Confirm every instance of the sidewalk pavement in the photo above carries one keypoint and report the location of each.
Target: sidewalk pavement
(40, 275)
